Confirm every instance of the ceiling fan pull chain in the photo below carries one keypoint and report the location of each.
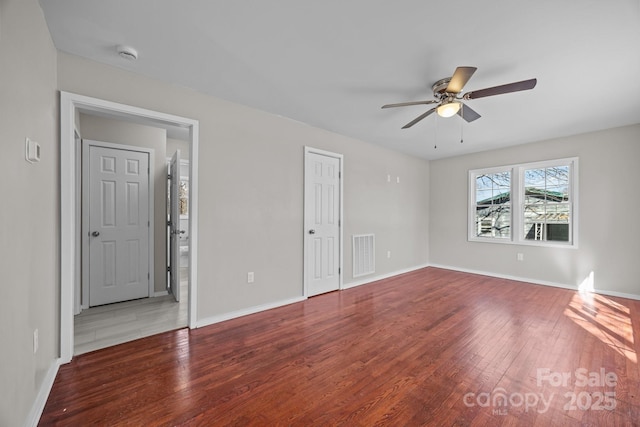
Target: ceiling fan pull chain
(435, 145)
(462, 126)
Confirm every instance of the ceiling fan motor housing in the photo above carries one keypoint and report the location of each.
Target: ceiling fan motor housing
(440, 87)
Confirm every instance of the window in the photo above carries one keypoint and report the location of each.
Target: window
(492, 210)
(547, 210)
(533, 203)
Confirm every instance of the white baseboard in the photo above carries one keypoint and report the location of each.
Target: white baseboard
(382, 276)
(43, 394)
(160, 294)
(246, 311)
(256, 309)
(536, 281)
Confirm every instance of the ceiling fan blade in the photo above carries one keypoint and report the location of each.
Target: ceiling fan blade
(460, 78)
(417, 119)
(404, 104)
(468, 113)
(499, 90)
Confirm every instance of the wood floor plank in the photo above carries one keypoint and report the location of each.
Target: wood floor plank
(430, 347)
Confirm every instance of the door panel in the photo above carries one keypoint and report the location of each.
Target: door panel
(322, 228)
(118, 225)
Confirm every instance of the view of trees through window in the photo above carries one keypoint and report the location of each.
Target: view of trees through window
(493, 205)
(546, 203)
(534, 197)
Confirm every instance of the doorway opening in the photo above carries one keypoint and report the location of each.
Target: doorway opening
(72, 105)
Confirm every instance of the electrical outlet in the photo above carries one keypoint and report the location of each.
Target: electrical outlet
(388, 178)
(250, 277)
(35, 341)
(520, 256)
(397, 180)
(388, 254)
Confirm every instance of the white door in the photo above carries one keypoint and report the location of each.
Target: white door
(118, 225)
(322, 223)
(174, 226)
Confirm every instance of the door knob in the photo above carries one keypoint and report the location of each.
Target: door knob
(95, 233)
(312, 231)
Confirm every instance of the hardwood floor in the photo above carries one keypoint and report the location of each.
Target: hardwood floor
(432, 347)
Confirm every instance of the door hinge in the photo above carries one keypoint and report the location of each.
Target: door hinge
(168, 176)
(339, 270)
(169, 223)
(169, 268)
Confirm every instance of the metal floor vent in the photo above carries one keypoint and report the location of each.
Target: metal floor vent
(364, 254)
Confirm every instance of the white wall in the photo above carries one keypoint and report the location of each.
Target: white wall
(251, 190)
(609, 230)
(177, 144)
(29, 216)
(121, 132)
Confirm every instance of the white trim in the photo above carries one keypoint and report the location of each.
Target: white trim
(194, 132)
(383, 276)
(79, 299)
(305, 268)
(247, 311)
(43, 394)
(160, 294)
(69, 103)
(85, 210)
(536, 281)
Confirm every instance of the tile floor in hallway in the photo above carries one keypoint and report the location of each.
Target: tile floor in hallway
(112, 324)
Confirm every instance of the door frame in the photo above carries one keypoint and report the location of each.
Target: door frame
(173, 239)
(306, 265)
(86, 143)
(70, 106)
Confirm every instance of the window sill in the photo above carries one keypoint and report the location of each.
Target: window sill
(537, 243)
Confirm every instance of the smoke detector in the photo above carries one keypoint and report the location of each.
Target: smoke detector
(127, 52)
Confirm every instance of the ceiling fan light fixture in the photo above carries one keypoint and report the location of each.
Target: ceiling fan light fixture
(449, 109)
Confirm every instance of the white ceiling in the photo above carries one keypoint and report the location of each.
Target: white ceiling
(334, 63)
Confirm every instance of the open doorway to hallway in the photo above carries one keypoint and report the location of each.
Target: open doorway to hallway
(71, 105)
(102, 325)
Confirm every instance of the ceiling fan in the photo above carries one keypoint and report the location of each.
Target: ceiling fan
(447, 95)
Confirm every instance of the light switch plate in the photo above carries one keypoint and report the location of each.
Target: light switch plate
(31, 151)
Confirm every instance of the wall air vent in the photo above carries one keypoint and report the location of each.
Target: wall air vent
(364, 254)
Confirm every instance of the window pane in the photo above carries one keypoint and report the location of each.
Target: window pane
(546, 203)
(534, 178)
(533, 230)
(558, 232)
(483, 197)
(493, 221)
(493, 188)
(558, 176)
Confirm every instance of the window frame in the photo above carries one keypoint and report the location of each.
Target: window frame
(473, 175)
(517, 190)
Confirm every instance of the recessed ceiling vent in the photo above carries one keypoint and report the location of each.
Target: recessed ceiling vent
(127, 52)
